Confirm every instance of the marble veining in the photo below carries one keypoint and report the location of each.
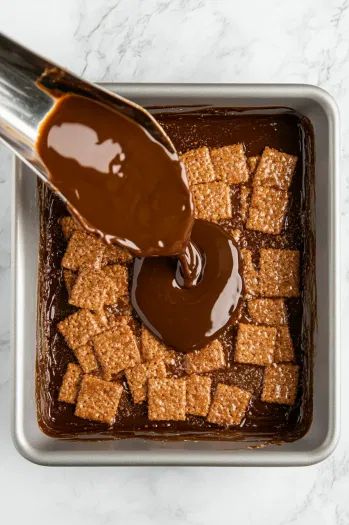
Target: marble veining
(305, 41)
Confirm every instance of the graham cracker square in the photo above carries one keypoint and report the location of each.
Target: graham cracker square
(198, 395)
(137, 378)
(86, 357)
(212, 201)
(275, 169)
(198, 166)
(279, 273)
(98, 400)
(69, 279)
(153, 349)
(271, 312)
(70, 384)
(255, 344)
(116, 283)
(284, 349)
(251, 275)
(79, 327)
(83, 251)
(166, 399)
(245, 197)
(69, 226)
(230, 164)
(280, 384)
(206, 360)
(116, 349)
(89, 290)
(116, 255)
(229, 405)
(252, 163)
(267, 210)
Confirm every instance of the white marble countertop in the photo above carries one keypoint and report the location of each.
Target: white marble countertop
(305, 41)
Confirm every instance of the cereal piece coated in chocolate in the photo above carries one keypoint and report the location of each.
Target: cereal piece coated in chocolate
(267, 210)
(212, 201)
(83, 251)
(166, 399)
(79, 327)
(70, 384)
(271, 312)
(206, 360)
(198, 166)
(198, 395)
(86, 357)
(230, 164)
(280, 384)
(284, 350)
(279, 273)
(98, 400)
(255, 344)
(229, 405)
(137, 378)
(275, 169)
(153, 349)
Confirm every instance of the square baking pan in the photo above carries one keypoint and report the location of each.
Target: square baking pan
(321, 440)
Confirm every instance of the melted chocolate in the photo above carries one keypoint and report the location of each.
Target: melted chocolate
(186, 318)
(265, 423)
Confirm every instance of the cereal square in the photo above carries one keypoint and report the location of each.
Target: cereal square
(280, 384)
(229, 405)
(115, 255)
(279, 273)
(116, 282)
(79, 327)
(86, 357)
(212, 201)
(69, 279)
(230, 164)
(267, 210)
(70, 384)
(83, 251)
(284, 350)
(275, 169)
(251, 275)
(271, 312)
(198, 166)
(98, 400)
(153, 349)
(69, 226)
(137, 378)
(252, 164)
(206, 360)
(90, 290)
(245, 197)
(255, 344)
(166, 399)
(116, 349)
(198, 395)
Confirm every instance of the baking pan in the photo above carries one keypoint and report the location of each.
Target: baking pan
(321, 440)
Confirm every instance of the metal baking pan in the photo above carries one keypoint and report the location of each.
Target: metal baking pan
(321, 440)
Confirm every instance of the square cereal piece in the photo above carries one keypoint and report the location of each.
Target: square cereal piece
(267, 210)
(271, 312)
(212, 201)
(229, 405)
(275, 169)
(230, 164)
(280, 384)
(83, 250)
(251, 275)
(115, 254)
(116, 349)
(198, 395)
(252, 163)
(79, 327)
(206, 360)
(255, 344)
(198, 166)
(279, 273)
(245, 197)
(90, 290)
(116, 283)
(70, 384)
(69, 279)
(284, 350)
(166, 399)
(98, 400)
(69, 226)
(153, 349)
(137, 378)
(86, 357)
